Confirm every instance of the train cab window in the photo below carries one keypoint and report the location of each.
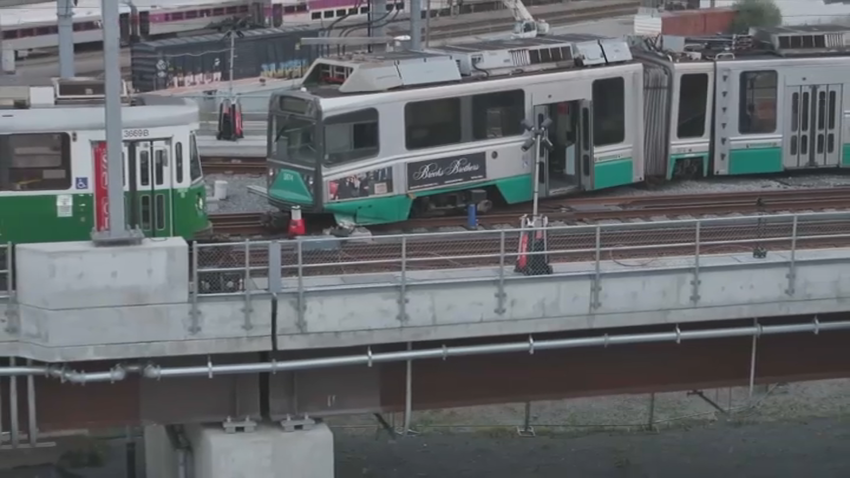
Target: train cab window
(35, 162)
(757, 108)
(195, 172)
(497, 115)
(609, 113)
(178, 163)
(351, 136)
(693, 94)
(432, 123)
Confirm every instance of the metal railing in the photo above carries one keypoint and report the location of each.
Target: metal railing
(6, 276)
(310, 264)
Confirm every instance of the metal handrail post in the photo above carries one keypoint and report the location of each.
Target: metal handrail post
(247, 287)
(695, 283)
(402, 299)
(195, 327)
(302, 326)
(595, 302)
(792, 266)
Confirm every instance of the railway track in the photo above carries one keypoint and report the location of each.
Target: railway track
(248, 165)
(646, 242)
(250, 223)
(597, 208)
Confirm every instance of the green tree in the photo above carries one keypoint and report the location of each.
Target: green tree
(755, 13)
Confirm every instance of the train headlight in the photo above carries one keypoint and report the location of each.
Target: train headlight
(308, 179)
(201, 203)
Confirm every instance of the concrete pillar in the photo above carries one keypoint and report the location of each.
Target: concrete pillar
(268, 451)
(160, 455)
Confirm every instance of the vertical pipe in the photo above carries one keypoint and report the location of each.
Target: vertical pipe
(232, 57)
(753, 358)
(65, 24)
(415, 25)
(526, 423)
(536, 177)
(408, 392)
(114, 145)
(32, 424)
(13, 407)
(427, 23)
(651, 422)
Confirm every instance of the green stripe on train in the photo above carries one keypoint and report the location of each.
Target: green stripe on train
(389, 209)
(608, 174)
(755, 160)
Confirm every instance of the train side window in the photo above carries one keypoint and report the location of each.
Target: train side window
(432, 123)
(609, 111)
(352, 136)
(35, 162)
(178, 162)
(194, 160)
(693, 94)
(144, 168)
(160, 159)
(497, 115)
(757, 108)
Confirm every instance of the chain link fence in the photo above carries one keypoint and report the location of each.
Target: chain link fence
(226, 268)
(5, 271)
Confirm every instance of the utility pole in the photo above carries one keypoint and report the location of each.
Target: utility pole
(538, 140)
(231, 34)
(427, 23)
(116, 232)
(377, 17)
(416, 25)
(65, 23)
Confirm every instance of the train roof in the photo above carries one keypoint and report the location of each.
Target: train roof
(481, 60)
(796, 41)
(46, 13)
(73, 94)
(90, 9)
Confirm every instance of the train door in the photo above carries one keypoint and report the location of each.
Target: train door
(559, 168)
(151, 187)
(584, 151)
(813, 127)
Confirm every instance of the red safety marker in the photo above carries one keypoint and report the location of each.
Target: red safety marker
(297, 226)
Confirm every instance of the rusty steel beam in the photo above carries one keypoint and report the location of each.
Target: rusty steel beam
(459, 381)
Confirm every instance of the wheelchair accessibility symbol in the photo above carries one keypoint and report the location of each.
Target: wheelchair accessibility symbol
(82, 183)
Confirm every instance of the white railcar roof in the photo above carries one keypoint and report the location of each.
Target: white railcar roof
(46, 13)
(90, 10)
(82, 118)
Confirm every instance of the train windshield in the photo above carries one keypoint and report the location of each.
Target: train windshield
(294, 139)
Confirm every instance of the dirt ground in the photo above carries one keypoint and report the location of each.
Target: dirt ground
(785, 431)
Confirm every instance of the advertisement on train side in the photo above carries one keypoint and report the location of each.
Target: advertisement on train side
(446, 171)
